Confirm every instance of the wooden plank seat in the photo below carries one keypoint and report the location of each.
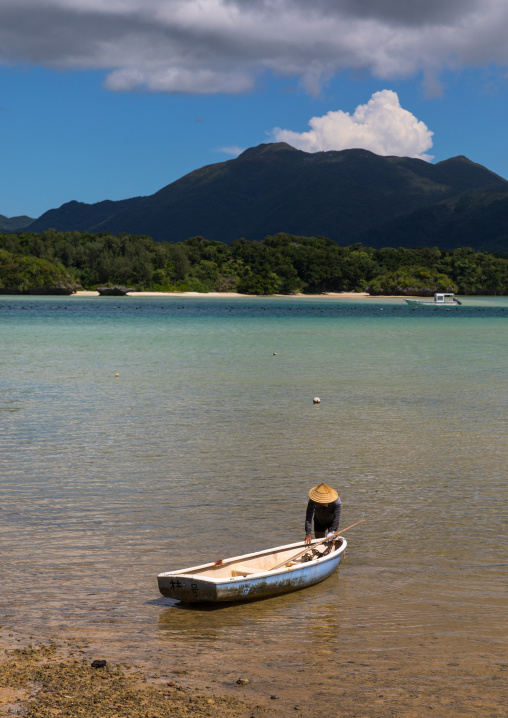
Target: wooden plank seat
(240, 570)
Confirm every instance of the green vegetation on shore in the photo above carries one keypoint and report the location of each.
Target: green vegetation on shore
(27, 274)
(279, 264)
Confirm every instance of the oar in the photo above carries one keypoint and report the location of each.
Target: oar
(316, 544)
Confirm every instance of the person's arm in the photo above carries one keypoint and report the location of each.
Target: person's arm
(308, 521)
(336, 516)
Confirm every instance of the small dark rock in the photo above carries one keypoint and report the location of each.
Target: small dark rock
(274, 698)
(171, 684)
(98, 664)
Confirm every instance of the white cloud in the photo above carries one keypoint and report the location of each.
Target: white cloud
(210, 46)
(381, 126)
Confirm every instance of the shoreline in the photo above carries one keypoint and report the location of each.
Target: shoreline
(51, 675)
(236, 295)
(44, 675)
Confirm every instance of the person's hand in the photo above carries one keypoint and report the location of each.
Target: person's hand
(308, 538)
(330, 537)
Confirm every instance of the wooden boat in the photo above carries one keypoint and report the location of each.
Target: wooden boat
(254, 575)
(441, 299)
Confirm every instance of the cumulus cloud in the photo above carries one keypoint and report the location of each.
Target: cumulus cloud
(381, 126)
(211, 46)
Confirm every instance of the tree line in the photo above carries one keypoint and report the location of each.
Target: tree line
(279, 264)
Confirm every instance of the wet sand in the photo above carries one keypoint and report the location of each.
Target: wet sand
(46, 679)
(434, 679)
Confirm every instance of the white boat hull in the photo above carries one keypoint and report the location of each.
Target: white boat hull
(431, 303)
(223, 581)
(441, 299)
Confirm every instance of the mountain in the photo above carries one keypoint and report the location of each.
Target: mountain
(348, 196)
(478, 220)
(12, 224)
(81, 217)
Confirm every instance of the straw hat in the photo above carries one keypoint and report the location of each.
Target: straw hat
(323, 494)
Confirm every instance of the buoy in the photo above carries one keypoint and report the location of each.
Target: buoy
(117, 374)
(275, 354)
(316, 400)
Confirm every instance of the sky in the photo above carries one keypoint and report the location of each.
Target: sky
(111, 99)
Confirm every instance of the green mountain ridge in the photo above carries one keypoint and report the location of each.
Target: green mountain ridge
(12, 224)
(349, 196)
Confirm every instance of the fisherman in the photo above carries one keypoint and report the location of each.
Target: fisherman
(324, 505)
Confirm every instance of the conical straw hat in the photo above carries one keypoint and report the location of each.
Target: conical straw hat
(323, 494)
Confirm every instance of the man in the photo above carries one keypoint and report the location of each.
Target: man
(324, 505)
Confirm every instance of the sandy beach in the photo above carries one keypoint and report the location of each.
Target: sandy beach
(233, 295)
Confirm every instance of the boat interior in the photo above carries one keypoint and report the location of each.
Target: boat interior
(264, 561)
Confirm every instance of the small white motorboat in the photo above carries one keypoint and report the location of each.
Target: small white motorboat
(441, 299)
(255, 575)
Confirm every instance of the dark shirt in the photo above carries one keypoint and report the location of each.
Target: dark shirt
(328, 516)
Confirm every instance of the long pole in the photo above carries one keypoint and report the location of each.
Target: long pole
(317, 544)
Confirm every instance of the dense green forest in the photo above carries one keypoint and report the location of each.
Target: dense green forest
(26, 274)
(279, 264)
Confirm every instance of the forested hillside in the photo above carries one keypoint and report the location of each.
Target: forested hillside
(282, 263)
(348, 196)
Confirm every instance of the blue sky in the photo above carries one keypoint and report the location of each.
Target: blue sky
(109, 99)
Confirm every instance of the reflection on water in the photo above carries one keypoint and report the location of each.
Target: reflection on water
(205, 447)
(261, 617)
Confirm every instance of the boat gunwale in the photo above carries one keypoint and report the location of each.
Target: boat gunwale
(337, 553)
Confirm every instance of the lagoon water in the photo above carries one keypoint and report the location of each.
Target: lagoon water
(206, 445)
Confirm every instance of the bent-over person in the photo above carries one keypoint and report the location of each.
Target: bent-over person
(324, 506)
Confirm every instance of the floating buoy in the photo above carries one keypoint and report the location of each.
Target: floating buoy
(117, 374)
(275, 354)
(316, 400)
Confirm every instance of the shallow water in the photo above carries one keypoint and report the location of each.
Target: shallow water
(205, 446)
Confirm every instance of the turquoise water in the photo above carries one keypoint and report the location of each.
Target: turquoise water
(206, 445)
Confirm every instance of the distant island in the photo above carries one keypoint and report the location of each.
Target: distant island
(53, 262)
(349, 196)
